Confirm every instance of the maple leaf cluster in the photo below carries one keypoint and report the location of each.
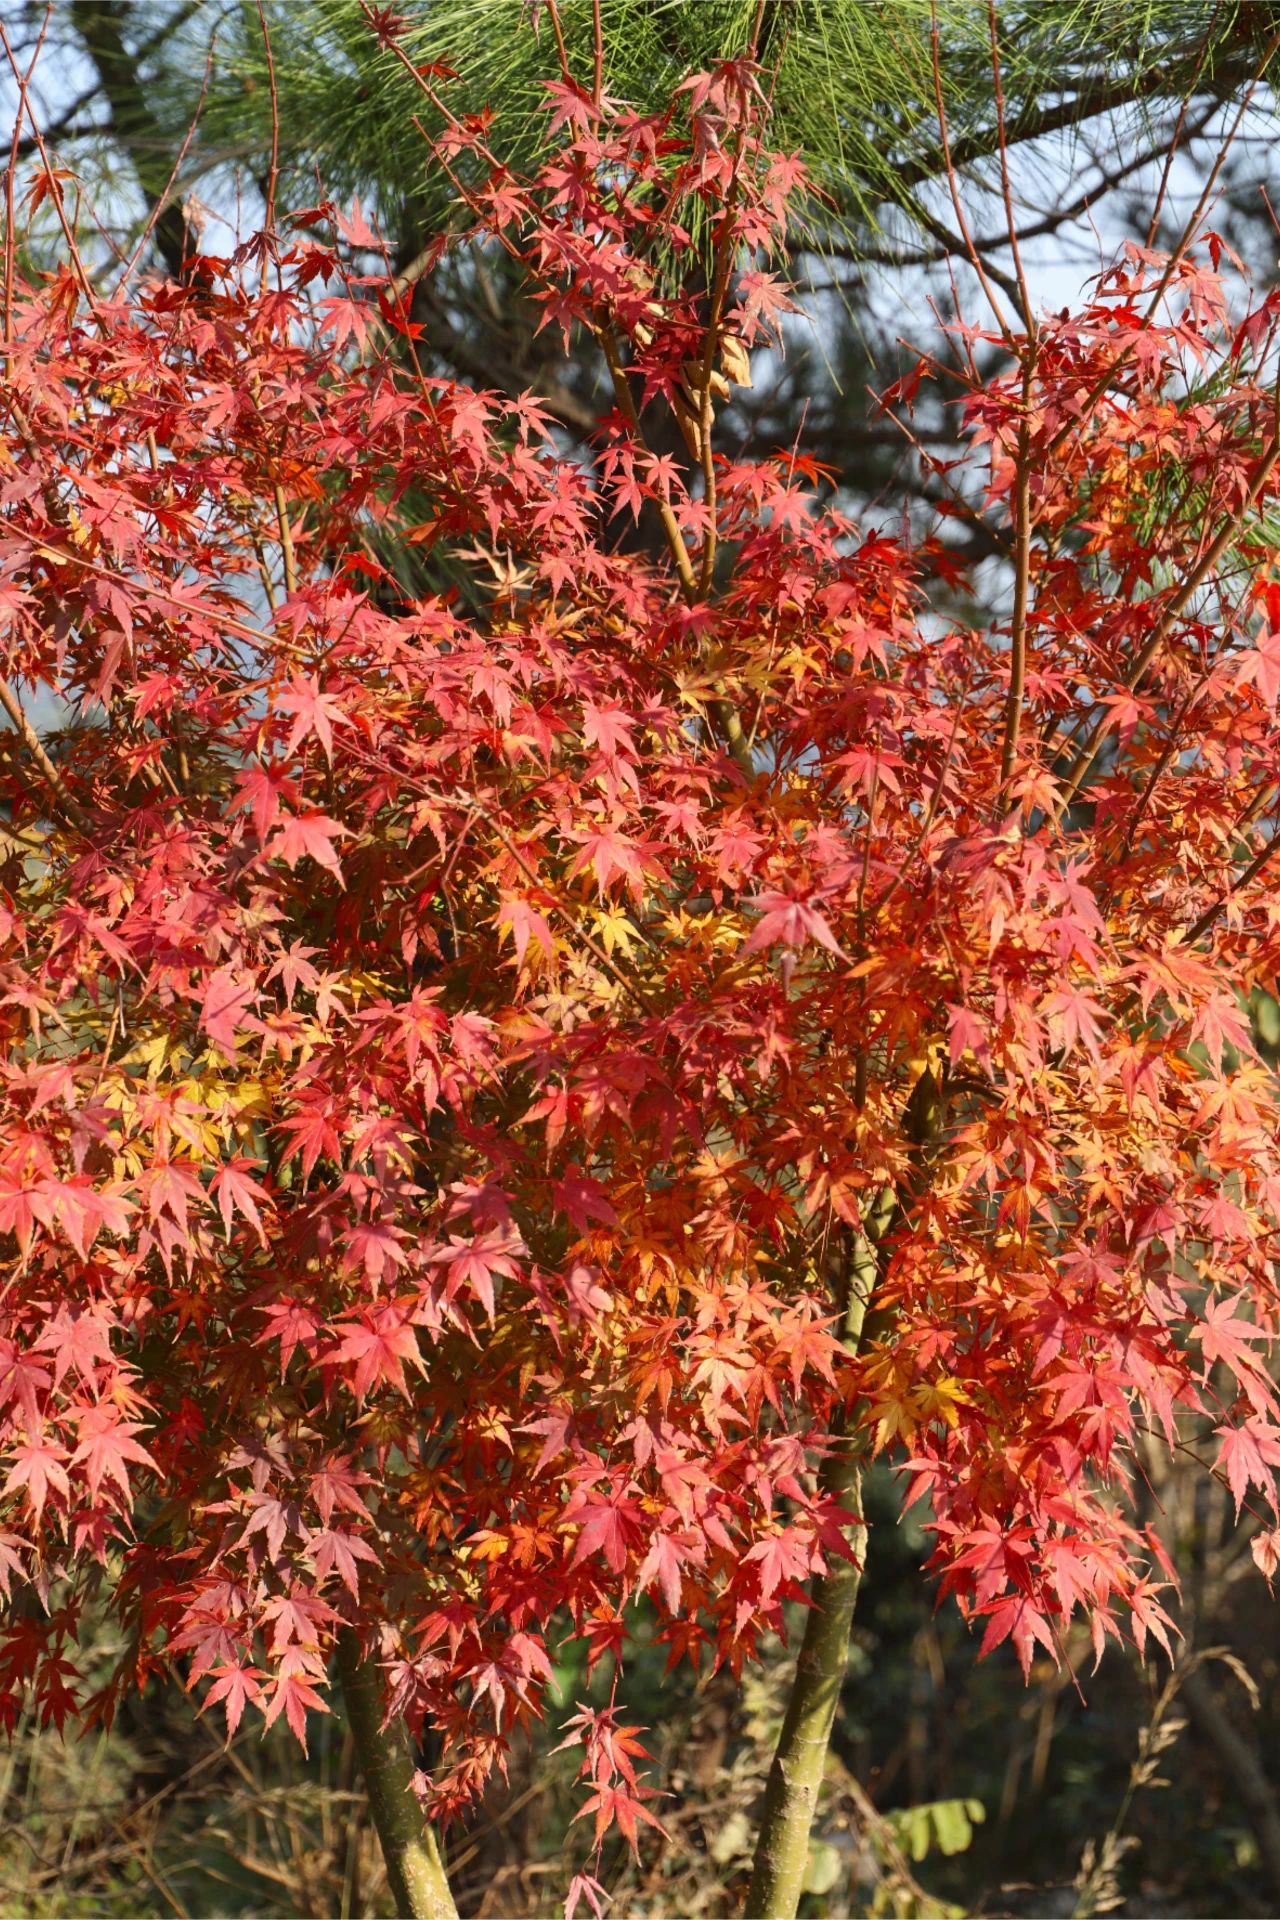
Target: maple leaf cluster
(454, 1045)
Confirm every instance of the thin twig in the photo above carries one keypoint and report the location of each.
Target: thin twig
(666, 514)
(454, 800)
(24, 81)
(1176, 137)
(273, 172)
(553, 14)
(1126, 353)
(953, 185)
(1023, 527)
(597, 54)
(1088, 753)
(36, 748)
(719, 286)
(1024, 296)
(878, 906)
(162, 200)
(1251, 872)
(55, 191)
(286, 541)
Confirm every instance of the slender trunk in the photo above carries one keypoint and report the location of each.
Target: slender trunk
(800, 1758)
(415, 1871)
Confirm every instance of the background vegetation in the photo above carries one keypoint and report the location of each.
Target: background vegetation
(953, 1788)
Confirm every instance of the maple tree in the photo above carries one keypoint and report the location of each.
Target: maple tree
(512, 1096)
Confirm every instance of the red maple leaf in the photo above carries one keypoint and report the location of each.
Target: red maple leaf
(228, 995)
(308, 836)
(379, 1345)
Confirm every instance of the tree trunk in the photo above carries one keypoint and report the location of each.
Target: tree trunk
(415, 1871)
(1242, 1764)
(800, 1759)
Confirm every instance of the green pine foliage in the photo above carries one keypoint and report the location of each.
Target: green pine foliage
(853, 80)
